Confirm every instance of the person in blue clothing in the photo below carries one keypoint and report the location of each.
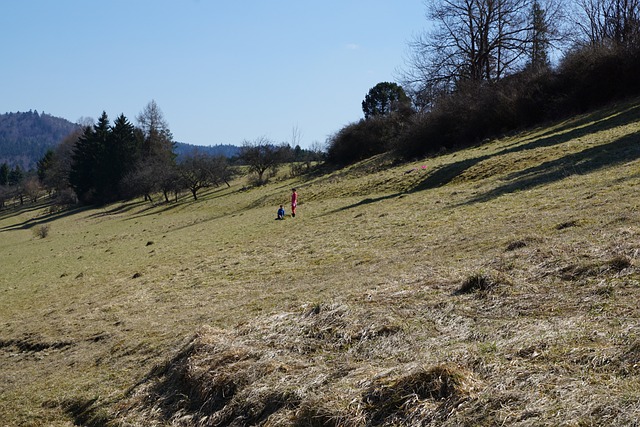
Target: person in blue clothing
(280, 213)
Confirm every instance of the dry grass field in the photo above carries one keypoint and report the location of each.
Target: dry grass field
(498, 285)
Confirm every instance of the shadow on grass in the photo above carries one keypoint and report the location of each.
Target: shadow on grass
(446, 174)
(154, 209)
(86, 412)
(615, 153)
(147, 208)
(591, 159)
(10, 211)
(25, 225)
(364, 202)
(615, 116)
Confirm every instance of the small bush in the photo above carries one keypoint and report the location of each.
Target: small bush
(619, 262)
(41, 231)
(516, 244)
(587, 78)
(567, 224)
(65, 197)
(476, 282)
(522, 243)
(482, 282)
(629, 361)
(364, 139)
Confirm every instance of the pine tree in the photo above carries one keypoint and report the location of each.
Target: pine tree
(44, 164)
(4, 174)
(122, 152)
(102, 157)
(16, 175)
(539, 50)
(87, 175)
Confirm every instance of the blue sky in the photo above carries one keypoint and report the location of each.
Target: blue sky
(221, 71)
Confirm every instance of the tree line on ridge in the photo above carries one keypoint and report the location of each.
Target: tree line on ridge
(106, 162)
(490, 67)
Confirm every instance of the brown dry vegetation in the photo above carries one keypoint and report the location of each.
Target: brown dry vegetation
(500, 285)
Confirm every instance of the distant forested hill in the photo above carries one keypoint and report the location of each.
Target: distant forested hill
(182, 149)
(26, 137)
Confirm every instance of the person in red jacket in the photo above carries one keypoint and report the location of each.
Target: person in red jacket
(294, 202)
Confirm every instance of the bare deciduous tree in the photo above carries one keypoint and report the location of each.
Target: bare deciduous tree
(158, 138)
(157, 157)
(32, 188)
(472, 39)
(477, 40)
(615, 22)
(261, 155)
(195, 173)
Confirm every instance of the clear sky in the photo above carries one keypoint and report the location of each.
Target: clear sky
(221, 71)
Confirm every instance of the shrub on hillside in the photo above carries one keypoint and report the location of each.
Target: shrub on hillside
(65, 197)
(586, 78)
(591, 76)
(41, 231)
(483, 282)
(475, 112)
(364, 139)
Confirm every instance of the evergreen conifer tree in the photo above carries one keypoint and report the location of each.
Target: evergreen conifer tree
(87, 173)
(4, 174)
(16, 175)
(102, 157)
(122, 153)
(44, 164)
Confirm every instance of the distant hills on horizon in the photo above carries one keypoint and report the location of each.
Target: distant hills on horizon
(25, 137)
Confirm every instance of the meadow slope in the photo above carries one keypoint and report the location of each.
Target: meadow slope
(499, 285)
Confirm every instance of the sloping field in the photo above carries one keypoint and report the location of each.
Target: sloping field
(498, 285)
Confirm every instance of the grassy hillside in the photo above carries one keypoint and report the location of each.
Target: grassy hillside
(498, 285)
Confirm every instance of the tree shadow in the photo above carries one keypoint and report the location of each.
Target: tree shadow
(119, 209)
(622, 117)
(445, 174)
(29, 206)
(604, 121)
(154, 209)
(364, 202)
(592, 159)
(25, 225)
(183, 202)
